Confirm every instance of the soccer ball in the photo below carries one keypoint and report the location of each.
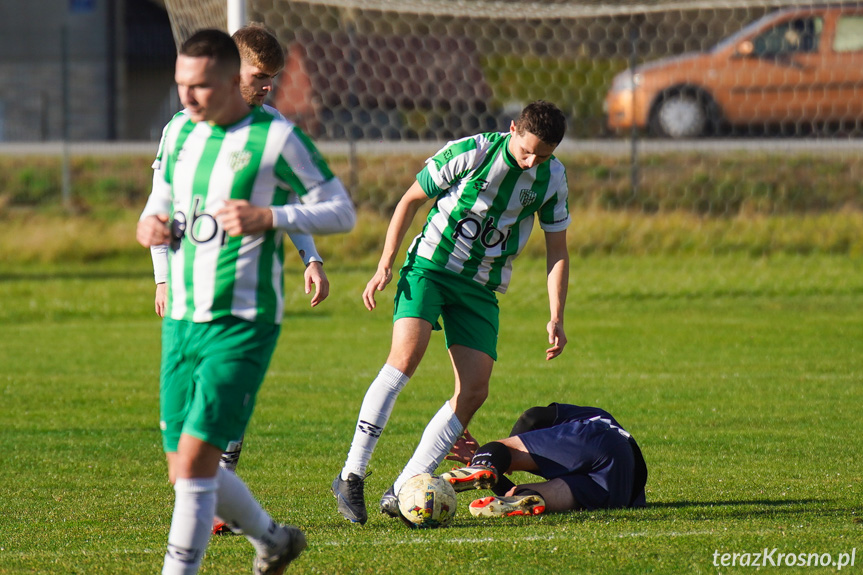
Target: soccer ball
(427, 501)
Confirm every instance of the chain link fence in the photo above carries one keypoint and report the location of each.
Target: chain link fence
(711, 108)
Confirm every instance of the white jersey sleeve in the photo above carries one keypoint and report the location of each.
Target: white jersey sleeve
(326, 207)
(160, 263)
(304, 243)
(328, 210)
(457, 160)
(554, 214)
(159, 201)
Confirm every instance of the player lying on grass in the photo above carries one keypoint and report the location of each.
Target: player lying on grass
(488, 190)
(587, 459)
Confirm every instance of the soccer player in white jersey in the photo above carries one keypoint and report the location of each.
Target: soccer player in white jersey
(488, 190)
(228, 170)
(261, 60)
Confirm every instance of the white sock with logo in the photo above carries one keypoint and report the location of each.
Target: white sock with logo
(238, 507)
(191, 525)
(375, 411)
(438, 438)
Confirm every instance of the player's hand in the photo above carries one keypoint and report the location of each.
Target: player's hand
(557, 339)
(464, 448)
(153, 231)
(382, 277)
(161, 299)
(314, 274)
(240, 218)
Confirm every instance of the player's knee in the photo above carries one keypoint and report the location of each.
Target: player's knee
(471, 398)
(405, 358)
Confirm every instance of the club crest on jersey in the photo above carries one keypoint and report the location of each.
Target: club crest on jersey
(526, 197)
(239, 160)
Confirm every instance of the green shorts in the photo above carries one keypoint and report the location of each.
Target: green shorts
(211, 373)
(469, 311)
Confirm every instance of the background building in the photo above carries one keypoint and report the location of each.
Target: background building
(84, 70)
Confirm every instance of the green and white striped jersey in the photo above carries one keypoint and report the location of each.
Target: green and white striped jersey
(485, 208)
(261, 159)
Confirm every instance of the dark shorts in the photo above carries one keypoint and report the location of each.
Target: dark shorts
(594, 459)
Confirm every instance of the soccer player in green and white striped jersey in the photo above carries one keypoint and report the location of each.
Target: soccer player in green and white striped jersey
(229, 171)
(488, 190)
(262, 58)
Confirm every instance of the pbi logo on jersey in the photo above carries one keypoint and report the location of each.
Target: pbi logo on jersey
(473, 228)
(239, 160)
(527, 197)
(199, 227)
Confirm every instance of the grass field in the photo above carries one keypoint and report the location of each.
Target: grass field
(740, 377)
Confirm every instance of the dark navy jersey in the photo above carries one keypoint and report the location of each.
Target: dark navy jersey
(557, 414)
(567, 412)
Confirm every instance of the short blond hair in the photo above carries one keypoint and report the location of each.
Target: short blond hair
(259, 47)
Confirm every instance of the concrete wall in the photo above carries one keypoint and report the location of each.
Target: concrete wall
(32, 60)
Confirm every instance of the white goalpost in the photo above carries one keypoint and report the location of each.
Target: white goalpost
(186, 16)
(236, 15)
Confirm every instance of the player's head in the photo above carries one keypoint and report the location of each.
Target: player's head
(536, 133)
(208, 76)
(534, 418)
(262, 59)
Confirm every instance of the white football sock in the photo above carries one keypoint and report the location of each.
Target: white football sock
(374, 414)
(237, 507)
(191, 524)
(438, 438)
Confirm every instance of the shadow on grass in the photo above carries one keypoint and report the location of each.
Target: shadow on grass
(754, 502)
(741, 509)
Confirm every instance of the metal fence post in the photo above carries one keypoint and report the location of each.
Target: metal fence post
(633, 152)
(66, 190)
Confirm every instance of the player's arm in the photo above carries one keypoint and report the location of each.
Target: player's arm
(326, 207)
(159, 254)
(402, 218)
(557, 267)
(463, 449)
(161, 300)
(330, 212)
(153, 227)
(160, 196)
(314, 274)
(153, 224)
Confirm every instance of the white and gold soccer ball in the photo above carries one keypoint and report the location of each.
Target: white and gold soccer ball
(427, 501)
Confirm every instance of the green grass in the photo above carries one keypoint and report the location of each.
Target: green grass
(712, 186)
(739, 376)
